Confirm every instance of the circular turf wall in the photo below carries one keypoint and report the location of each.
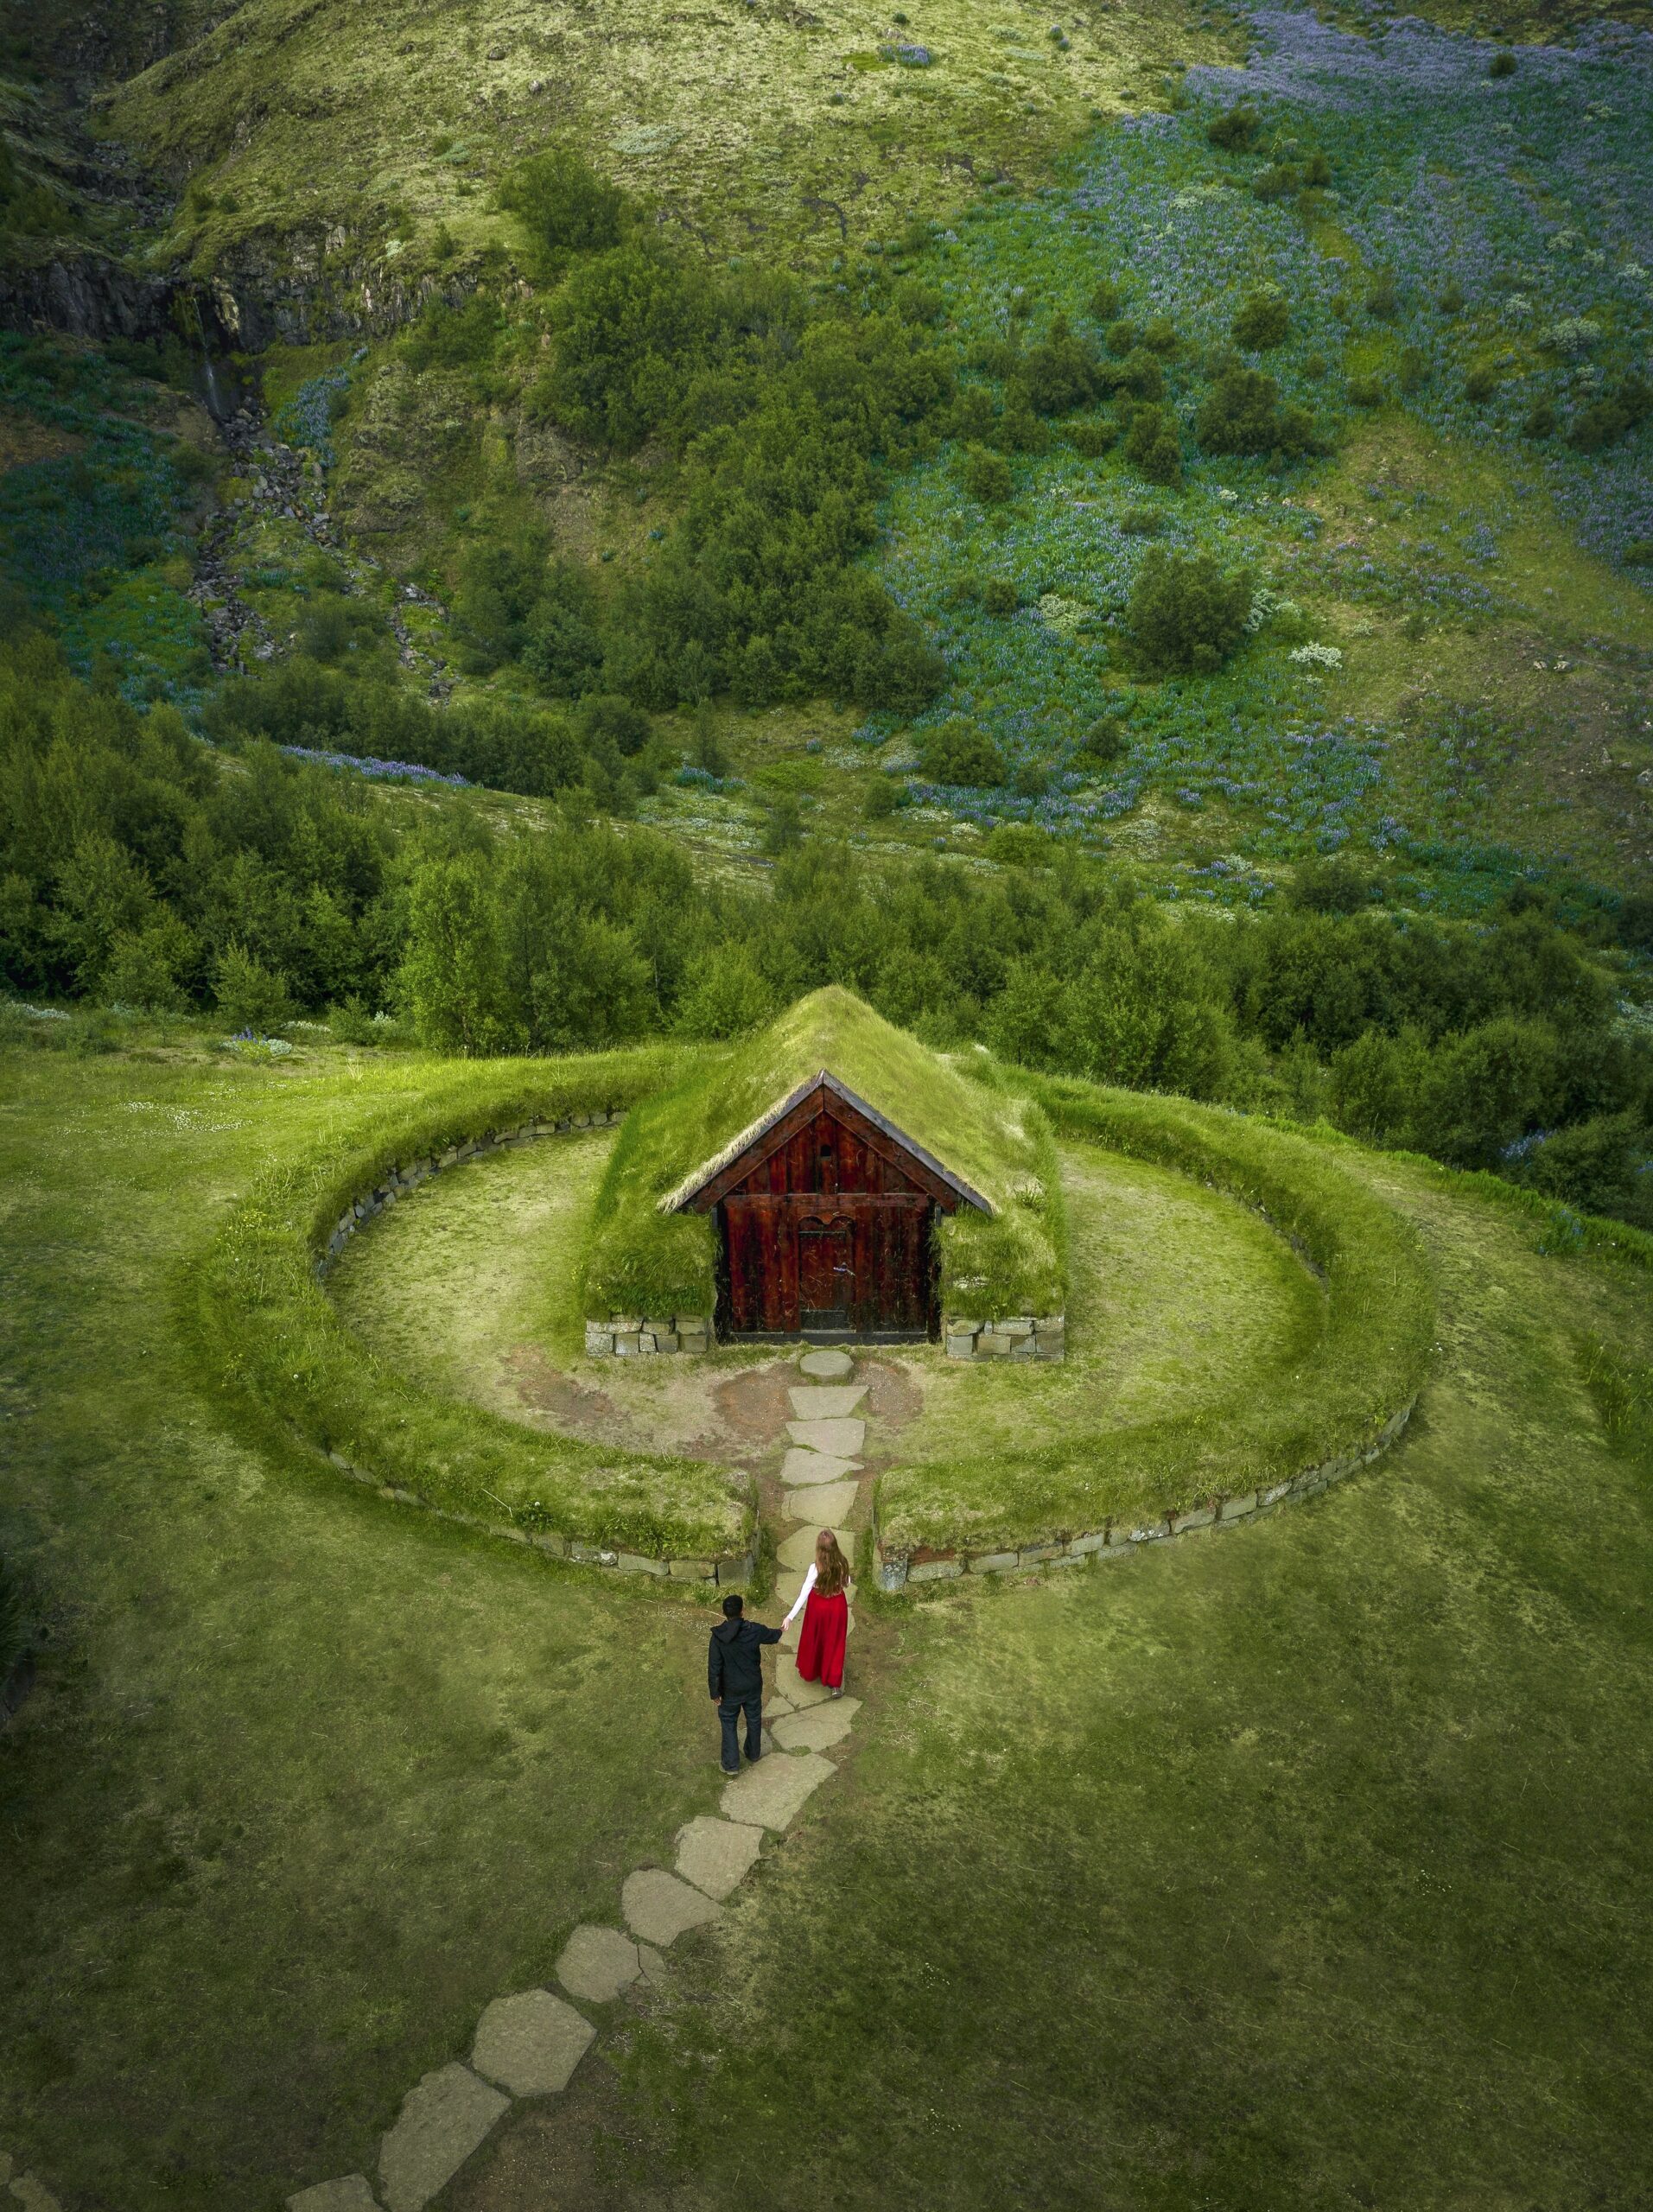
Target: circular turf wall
(276, 1340)
(1101, 1493)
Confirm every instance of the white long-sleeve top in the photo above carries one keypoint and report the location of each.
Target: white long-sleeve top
(800, 1601)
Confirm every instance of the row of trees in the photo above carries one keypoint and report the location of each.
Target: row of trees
(138, 866)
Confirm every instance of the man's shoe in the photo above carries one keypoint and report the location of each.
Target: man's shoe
(753, 1758)
(727, 1770)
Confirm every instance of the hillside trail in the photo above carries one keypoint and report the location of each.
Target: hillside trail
(529, 2044)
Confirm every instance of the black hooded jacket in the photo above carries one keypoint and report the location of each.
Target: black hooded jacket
(734, 1658)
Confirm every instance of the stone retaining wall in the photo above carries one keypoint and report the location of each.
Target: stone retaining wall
(401, 1181)
(732, 1572)
(897, 1569)
(1018, 1336)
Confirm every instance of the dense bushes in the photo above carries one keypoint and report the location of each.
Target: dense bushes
(1241, 413)
(1187, 614)
(138, 868)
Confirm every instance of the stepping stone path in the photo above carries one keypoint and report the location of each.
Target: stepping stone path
(529, 2043)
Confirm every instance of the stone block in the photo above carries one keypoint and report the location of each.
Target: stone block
(992, 1562)
(630, 1321)
(734, 1570)
(658, 1328)
(1275, 1492)
(694, 1341)
(351, 2194)
(716, 1855)
(838, 1438)
(991, 1346)
(824, 1507)
(963, 1325)
(1146, 1534)
(1034, 1555)
(635, 1563)
(549, 1542)
(826, 1366)
(1082, 1546)
(892, 1574)
(957, 1347)
(1047, 1348)
(1236, 1508)
(772, 1793)
(1201, 1518)
(817, 1402)
(444, 2118)
(691, 1570)
(597, 1963)
(627, 1343)
(1017, 1324)
(658, 1907)
(1050, 1324)
(803, 1468)
(647, 1344)
(668, 1340)
(820, 1727)
(935, 1570)
(1024, 1347)
(599, 1343)
(593, 1555)
(531, 2043)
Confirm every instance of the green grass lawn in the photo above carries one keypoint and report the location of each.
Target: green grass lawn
(307, 1778)
(1305, 1866)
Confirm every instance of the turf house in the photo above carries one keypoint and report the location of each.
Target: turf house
(829, 1179)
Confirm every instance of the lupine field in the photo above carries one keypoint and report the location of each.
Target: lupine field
(1475, 221)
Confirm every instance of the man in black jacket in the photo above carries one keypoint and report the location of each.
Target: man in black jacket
(735, 1672)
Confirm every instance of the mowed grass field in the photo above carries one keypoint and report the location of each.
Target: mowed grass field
(1306, 1867)
(306, 1779)
(1303, 1867)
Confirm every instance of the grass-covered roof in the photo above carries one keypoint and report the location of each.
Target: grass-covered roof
(644, 1258)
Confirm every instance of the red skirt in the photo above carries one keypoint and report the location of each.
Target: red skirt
(820, 1647)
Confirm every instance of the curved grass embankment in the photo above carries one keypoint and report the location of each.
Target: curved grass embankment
(1315, 1405)
(275, 1337)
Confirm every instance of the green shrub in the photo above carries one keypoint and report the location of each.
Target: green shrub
(1186, 613)
(1415, 368)
(463, 337)
(1140, 375)
(1541, 421)
(883, 797)
(1264, 321)
(1364, 391)
(563, 205)
(957, 753)
(1121, 337)
(251, 995)
(1330, 887)
(1160, 335)
(1103, 744)
(1278, 181)
(1242, 414)
(1141, 522)
(1638, 554)
(629, 325)
(1450, 300)
(1000, 596)
(986, 476)
(1502, 65)
(1093, 435)
(1481, 383)
(1235, 130)
(1060, 374)
(1607, 420)
(1317, 171)
(1153, 446)
(1105, 302)
(1382, 300)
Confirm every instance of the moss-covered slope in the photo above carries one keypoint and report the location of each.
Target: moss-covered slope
(644, 1260)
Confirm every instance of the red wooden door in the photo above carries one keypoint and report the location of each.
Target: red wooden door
(826, 1272)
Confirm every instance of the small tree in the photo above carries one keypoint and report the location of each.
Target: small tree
(1263, 321)
(958, 754)
(1187, 614)
(1153, 447)
(565, 206)
(251, 995)
(986, 476)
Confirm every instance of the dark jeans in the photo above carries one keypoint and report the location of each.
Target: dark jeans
(729, 1710)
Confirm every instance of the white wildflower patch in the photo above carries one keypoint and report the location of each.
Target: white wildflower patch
(642, 139)
(1067, 617)
(1316, 656)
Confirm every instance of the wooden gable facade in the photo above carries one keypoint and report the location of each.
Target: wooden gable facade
(825, 1217)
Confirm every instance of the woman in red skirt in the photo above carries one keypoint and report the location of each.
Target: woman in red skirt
(826, 1604)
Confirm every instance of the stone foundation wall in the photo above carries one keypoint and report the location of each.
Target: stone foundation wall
(624, 1336)
(1018, 1336)
(897, 1569)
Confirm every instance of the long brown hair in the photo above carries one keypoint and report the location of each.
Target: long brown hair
(831, 1568)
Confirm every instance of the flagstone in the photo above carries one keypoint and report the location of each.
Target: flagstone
(792, 1685)
(798, 1549)
(825, 1723)
(531, 2043)
(716, 1855)
(446, 2115)
(827, 1505)
(775, 1791)
(827, 1365)
(842, 1439)
(658, 1907)
(805, 1468)
(597, 1963)
(826, 1405)
(351, 2194)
